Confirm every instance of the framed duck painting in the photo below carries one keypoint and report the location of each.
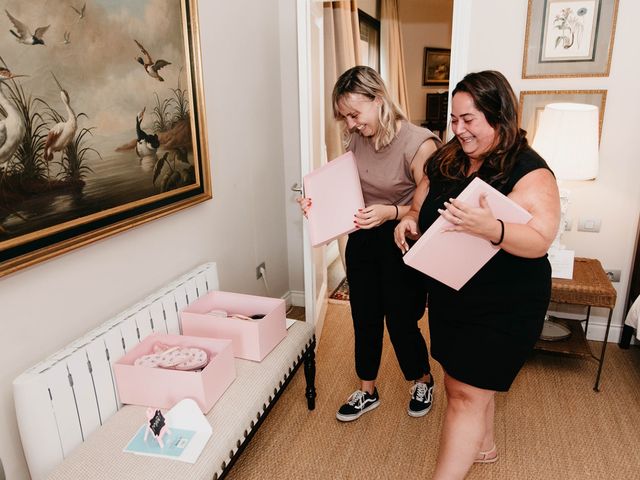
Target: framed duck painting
(102, 124)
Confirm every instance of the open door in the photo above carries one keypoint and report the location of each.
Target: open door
(312, 147)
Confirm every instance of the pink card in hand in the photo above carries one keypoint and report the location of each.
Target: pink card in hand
(454, 257)
(336, 196)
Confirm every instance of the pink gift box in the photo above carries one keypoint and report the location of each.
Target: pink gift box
(162, 387)
(252, 339)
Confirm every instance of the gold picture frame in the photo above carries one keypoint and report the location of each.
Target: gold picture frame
(532, 102)
(569, 38)
(131, 97)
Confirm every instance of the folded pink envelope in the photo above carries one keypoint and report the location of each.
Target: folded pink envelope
(336, 194)
(454, 257)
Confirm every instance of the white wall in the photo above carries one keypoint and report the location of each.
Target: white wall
(425, 23)
(251, 105)
(497, 42)
(291, 147)
(370, 7)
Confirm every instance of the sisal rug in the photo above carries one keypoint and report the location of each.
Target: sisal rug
(550, 426)
(341, 293)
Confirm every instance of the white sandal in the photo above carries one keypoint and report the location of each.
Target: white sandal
(489, 456)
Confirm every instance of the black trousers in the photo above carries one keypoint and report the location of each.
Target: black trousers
(382, 286)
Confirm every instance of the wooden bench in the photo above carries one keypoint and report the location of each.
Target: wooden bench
(71, 421)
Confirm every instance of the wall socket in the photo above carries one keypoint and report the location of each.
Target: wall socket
(614, 275)
(259, 269)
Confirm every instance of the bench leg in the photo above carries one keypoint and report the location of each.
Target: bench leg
(310, 376)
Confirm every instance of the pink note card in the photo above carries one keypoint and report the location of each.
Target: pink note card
(454, 257)
(336, 194)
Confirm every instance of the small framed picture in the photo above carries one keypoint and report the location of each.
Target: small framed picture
(435, 70)
(569, 38)
(532, 103)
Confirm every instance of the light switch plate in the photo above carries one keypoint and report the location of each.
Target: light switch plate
(589, 225)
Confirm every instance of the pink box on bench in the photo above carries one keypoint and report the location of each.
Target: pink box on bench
(252, 339)
(163, 387)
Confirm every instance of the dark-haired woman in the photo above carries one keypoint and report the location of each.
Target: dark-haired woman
(482, 334)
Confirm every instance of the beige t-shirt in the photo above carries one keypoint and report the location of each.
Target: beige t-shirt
(386, 176)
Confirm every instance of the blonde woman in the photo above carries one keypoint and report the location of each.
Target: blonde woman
(390, 154)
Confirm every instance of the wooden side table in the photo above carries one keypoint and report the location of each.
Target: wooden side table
(589, 287)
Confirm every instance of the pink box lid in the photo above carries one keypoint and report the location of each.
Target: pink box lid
(336, 193)
(454, 257)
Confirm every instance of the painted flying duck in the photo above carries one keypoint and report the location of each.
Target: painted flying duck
(149, 65)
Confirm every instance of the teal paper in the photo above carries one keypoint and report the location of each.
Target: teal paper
(175, 443)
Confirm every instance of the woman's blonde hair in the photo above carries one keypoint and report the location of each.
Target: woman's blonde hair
(366, 81)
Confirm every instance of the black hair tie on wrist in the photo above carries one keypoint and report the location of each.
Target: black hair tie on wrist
(501, 234)
(396, 212)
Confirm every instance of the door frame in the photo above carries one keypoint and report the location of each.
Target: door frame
(312, 151)
(309, 17)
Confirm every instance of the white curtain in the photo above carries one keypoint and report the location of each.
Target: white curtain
(391, 54)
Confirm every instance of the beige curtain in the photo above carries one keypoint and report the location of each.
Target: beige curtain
(391, 56)
(341, 52)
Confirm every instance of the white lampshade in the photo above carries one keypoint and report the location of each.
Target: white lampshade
(567, 138)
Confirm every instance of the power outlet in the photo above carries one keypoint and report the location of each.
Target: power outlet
(614, 275)
(259, 270)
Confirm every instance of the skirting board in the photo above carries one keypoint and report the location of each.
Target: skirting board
(294, 297)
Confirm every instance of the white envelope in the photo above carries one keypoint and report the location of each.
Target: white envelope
(186, 416)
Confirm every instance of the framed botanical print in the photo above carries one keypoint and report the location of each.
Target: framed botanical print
(569, 38)
(102, 105)
(532, 103)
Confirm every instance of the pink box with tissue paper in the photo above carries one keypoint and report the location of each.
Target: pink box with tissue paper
(164, 387)
(252, 339)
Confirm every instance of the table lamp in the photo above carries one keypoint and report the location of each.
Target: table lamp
(567, 138)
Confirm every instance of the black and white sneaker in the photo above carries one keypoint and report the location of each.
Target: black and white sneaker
(421, 399)
(358, 403)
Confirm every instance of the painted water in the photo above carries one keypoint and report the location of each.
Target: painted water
(117, 180)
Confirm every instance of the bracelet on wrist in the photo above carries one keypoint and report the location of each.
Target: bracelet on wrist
(396, 217)
(501, 234)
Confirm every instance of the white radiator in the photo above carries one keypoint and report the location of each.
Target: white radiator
(64, 398)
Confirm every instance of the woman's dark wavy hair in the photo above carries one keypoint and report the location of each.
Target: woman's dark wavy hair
(494, 97)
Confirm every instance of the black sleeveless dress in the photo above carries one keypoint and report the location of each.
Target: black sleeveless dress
(483, 333)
